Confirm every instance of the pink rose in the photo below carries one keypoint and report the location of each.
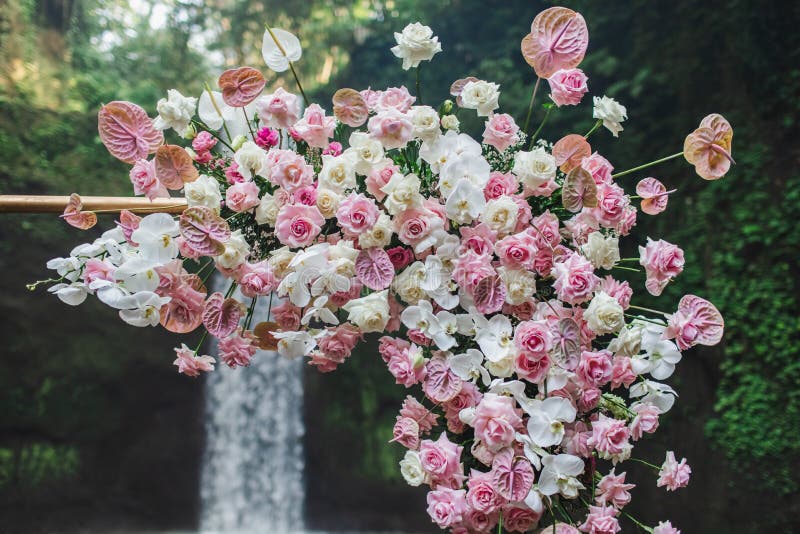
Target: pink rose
(470, 268)
(242, 197)
(338, 343)
(581, 225)
(340, 298)
(334, 149)
(589, 398)
(440, 459)
(379, 178)
(622, 373)
(356, 214)
(500, 184)
(481, 494)
(517, 251)
(392, 128)
(601, 520)
(501, 132)
(419, 413)
(662, 262)
(673, 474)
(627, 222)
(298, 225)
(306, 195)
(532, 367)
(609, 437)
(290, 170)
(567, 87)
(315, 128)
(546, 230)
(575, 279)
(388, 347)
(496, 421)
(612, 204)
(517, 518)
(257, 279)
(619, 290)
(447, 507)
(278, 110)
(190, 363)
(406, 368)
(533, 337)
(143, 178)
(287, 315)
(394, 98)
(322, 362)
(370, 97)
(645, 421)
(613, 490)
(236, 349)
(479, 239)
(665, 527)
(400, 257)
(414, 226)
(595, 368)
(599, 167)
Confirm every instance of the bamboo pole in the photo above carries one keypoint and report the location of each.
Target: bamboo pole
(56, 204)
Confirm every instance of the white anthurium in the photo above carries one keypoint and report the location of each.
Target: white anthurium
(660, 357)
(448, 325)
(279, 47)
(465, 202)
(293, 345)
(138, 274)
(319, 310)
(421, 317)
(469, 366)
(659, 395)
(156, 237)
(547, 418)
(216, 114)
(69, 268)
(559, 474)
(72, 294)
(496, 338)
(142, 309)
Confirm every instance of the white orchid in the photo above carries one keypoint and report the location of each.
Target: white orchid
(659, 395)
(138, 274)
(421, 317)
(448, 325)
(142, 308)
(156, 237)
(465, 203)
(495, 337)
(547, 418)
(319, 310)
(294, 345)
(559, 474)
(438, 283)
(72, 294)
(469, 366)
(450, 146)
(660, 355)
(468, 166)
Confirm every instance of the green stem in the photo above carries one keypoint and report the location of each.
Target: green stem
(638, 523)
(500, 523)
(200, 344)
(648, 464)
(627, 268)
(539, 129)
(219, 112)
(419, 91)
(648, 310)
(643, 319)
(595, 127)
(299, 85)
(646, 165)
(244, 111)
(530, 106)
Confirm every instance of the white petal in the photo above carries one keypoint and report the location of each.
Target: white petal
(275, 58)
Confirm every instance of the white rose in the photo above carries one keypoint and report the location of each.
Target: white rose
(203, 192)
(602, 251)
(534, 168)
(370, 313)
(503, 368)
(520, 284)
(451, 122)
(416, 43)
(252, 160)
(402, 193)
(338, 173)
(380, 235)
(481, 96)
(327, 202)
(629, 340)
(411, 469)
(611, 112)
(279, 260)
(267, 210)
(366, 153)
(408, 284)
(236, 251)
(501, 215)
(604, 314)
(425, 120)
(175, 112)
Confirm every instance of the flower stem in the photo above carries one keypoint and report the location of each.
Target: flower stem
(539, 129)
(200, 344)
(638, 523)
(500, 523)
(299, 85)
(627, 268)
(291, 66)
(419, 91)
(595, 127)
(648, 310)
(640, 167)
(247, 120)
(657, 468)
(530, 106)
(219, 112)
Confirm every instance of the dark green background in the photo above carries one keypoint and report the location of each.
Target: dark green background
(98, 432)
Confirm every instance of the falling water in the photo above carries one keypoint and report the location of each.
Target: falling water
(252, 479)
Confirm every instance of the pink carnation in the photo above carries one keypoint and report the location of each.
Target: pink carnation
(236, 349)
(334, 149)
(203, 142)
(601, 520)
(298, 225)
(190, 364)
(673, 474)
(567, 87)
(496, 421)
(501, 132)
(447, 507)
(645, 421)
(619, 290)
(407, 368)
(613, 490)
(267, 138)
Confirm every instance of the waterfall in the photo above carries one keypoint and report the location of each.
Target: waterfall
(252, 477)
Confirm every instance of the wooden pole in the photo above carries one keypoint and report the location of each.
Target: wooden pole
(56, 204)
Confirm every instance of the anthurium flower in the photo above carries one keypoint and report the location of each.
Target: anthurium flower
(708, 148)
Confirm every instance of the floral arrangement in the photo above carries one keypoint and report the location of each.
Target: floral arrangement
(486, 262)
